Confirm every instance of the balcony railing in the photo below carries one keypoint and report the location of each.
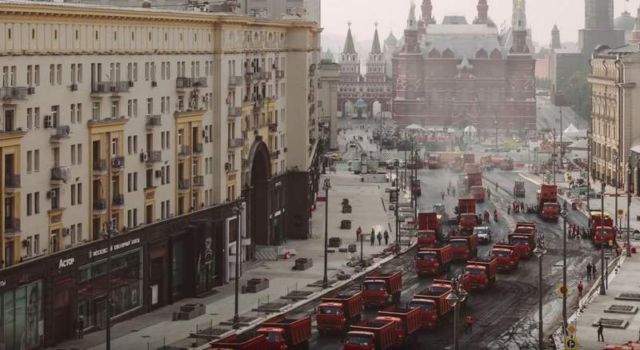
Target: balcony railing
(198, 181)
(11, 181)
(235, 81)
(117, 163)
(100, 165)
(11, 225)
(184, 82)
(154, 120)
(59, 174)
(235, 143)
(198, 148)
(13, 93)
(279, 74)
(235, 111)
(60, 132)
(100, 204)
(118, 200)
(105, 87)
(185, 151)
(184, 184)
(151, 156)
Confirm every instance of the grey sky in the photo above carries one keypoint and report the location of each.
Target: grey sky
(392, 14)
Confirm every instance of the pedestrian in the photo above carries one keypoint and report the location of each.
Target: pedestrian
(442, 195)
(80, 327)
(373, 237)
(600, 329)
(522, 206)
(358, 233)
(468, 322)
(580, 288)
(448, 191)
(594, 272)
(379, 238)
(589, 269)
(488, 193)
(386, 237)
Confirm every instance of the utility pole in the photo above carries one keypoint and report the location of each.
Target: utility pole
(629, 174)
(326, 186)
(561, 144)
(108, 304)
(602, 288)
(589, 169)
(555, 157)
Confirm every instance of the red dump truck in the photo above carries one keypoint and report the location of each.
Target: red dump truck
(480, 274)
(337, 313)
(467, 217)
(428, 229)
(464, 247)
(602, 229)
(245, 341)
(382, 289)
(433, 306)
(434, 261)
(507, 256)
(372, 335)
(548, 207)
(407, 321)
(523, 238)
(287, 333)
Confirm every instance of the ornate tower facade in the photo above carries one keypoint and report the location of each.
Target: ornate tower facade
(349, 60)
(427, 12)
(483, 12)
(376, 64)
(598, 14)
(519, 27)
(555, 38)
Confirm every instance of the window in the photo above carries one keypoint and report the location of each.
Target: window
(149, 106)
(72, 234)
(73, 113)
(29, 75)
(36, 203)
(36, 244)
(95, 113)
(79, 199)
(36, 160)
(79, 156)
(36, 118)
(79, 232)
(73, 154)
(115, 109)
(29, 203)
(52, 74)
(146, 71)
(36, 75)
(29, 118)
(29, 161)
(79, 76)
(59, 74)
(73, 194)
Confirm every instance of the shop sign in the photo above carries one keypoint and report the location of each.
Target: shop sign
(114, 247)
(62, 263)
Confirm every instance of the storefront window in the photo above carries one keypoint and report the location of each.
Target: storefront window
(126, 288)
(177, 266)
(21, 317)
(206, 265)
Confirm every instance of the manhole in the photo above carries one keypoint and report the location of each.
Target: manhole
(622, 309)
(628, 296)
(612, 323)
(298, 295)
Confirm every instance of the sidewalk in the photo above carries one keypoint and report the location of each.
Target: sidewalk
(155, 329)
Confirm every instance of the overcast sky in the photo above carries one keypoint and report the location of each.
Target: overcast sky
(392, 14)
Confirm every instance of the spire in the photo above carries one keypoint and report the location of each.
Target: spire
(519, 16)
(427, 12)
(375, 48)
(635, 34)
(555, 38)
(349, 47)
(483, 12)
(411, 20)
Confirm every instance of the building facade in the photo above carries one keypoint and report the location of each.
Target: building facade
(164, 130)
(328, 85)
(456, 74)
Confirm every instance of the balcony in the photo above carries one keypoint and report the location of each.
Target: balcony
(11, 182)
(153, 121)
(184, 185)
(151, 157)
(184, 82)
(184, 151)
(262, 75)
(198, 148)
(235, 112)
(280, 74)
(99, 206)
(273, 127)
(236, 143)
(100, 167)
(149, 192)
(235, 81)
(60, 133)
(118, 200)
(59, 175)
(275, 154)
(11, 225)
(117, 163)
(198, 181)
(113, 87)
(13, 93)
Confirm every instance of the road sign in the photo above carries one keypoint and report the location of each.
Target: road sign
(620, 213)
(571, 329)
(563, 290)
(570, 343)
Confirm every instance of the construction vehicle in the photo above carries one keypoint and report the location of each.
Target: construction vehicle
(434, 260)
(433, 306)
(372, 335)
(506, 164)
(433, 161)
(337, 313)
(519, 189)
(630, 345)
(523, 238)
(473, 181)
(480, 273)
(382, 289)
(407, 320)
(548, 207)
(464, 247)
(428, 230)
(507, 256)
(467, 217)
(287, 333)
(602, 229)
(244, 341)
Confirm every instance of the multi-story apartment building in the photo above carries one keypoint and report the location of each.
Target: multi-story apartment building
(164, 131)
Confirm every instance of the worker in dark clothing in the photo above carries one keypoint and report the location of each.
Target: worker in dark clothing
(386, 237)
(600, 335)
(468, 322)
(379, 238)
(373, 237)
(589, 268)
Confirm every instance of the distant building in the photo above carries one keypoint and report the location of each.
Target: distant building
(328, 85)
(457, 74)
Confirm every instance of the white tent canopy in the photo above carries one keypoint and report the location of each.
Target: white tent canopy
(415, 127)
(572, 131)
(470, 130)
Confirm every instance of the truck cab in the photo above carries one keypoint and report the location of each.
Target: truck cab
(382, 289)
(464, 247)
(357, 340)
(427, 238)
(480, 274)
(519, 189)
(522, 244)
(507, 256)
(478, 193)
(275, 338)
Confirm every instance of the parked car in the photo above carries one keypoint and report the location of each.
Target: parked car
(484, 233)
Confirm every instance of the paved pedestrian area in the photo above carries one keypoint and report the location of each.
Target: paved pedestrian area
(369, 210)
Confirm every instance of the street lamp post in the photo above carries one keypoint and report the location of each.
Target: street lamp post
(237, 211)
(111, 231)
(561, 145)
(603, 290)
(554, 158)
(455, 299)
(629, 173)
(326, 186)
(615, 183)
(397, 166)
(564, 271)
(589, 169)
(495, 122)
(539, 252)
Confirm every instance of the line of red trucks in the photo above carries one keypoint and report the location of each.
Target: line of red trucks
(548, 207)
(278, 333)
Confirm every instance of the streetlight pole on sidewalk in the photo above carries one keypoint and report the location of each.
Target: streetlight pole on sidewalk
(539, 252)
(237, 211)
(603, 291)
(554, 157)
(563, 289)
(397, 166)
(455, 299)
(109, 232)
(326, 186)
(589, 169)
(629, 171)
(615, 183)
(561, 145)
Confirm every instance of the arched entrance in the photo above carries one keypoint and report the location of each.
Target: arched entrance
(376, 109)
(259, 173)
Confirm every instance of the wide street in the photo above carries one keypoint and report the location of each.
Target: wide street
(506, 315)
